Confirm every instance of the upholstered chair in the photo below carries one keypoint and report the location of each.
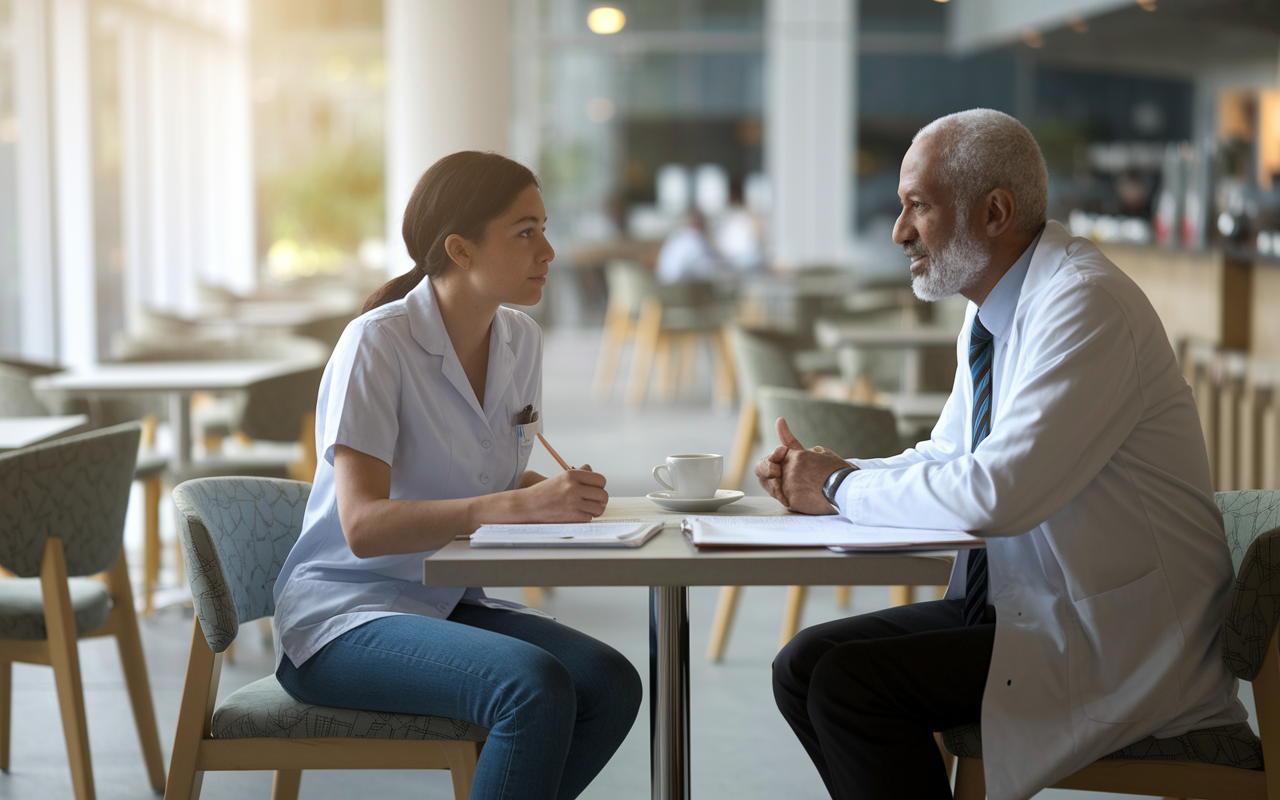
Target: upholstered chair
(1223, 763)
(62, 519)
(236, 534)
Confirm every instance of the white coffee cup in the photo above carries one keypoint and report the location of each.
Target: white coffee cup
(691, 475)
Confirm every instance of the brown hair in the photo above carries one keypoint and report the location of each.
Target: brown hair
(461, 193)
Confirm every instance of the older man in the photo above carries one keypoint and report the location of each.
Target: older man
(1071, 443)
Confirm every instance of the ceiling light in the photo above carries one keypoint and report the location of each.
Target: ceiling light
(1147, 5)
(1032, 37)
(606, 19)
(1078, 24)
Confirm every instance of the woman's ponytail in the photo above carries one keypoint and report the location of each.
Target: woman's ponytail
(461, 193)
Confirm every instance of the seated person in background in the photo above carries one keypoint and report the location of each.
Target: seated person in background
(1071, 442)
(687, 254)
(738, 234)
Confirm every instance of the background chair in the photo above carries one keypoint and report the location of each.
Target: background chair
(236, 534)
(849, 429)
(64, 518)
(761, 358)
(665, 323)
(1223, 763)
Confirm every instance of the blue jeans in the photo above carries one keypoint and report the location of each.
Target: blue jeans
(557, 702)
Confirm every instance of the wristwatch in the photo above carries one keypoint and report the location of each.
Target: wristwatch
(833, 483)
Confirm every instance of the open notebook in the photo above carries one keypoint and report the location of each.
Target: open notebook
(585, 534)
(835, 532)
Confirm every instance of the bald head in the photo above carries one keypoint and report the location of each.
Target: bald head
(980, 150)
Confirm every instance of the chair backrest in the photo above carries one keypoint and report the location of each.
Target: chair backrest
(17, 398)
(236, 534)
(850, 429)
(1252, 522)
(628, 283)
(274, 408)
(75, 489)
(762, 359)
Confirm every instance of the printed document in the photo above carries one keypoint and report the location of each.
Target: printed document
(585, 534)
(835, 532)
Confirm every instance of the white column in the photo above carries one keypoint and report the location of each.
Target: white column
(239, 245)
(73, 185)
(38, 337)
(809, 131)
(448, 89)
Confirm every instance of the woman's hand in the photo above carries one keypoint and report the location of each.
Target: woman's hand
(576, 495)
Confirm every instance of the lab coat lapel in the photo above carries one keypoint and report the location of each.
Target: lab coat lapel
(1045, 263)
(501, 365)
(427, 327)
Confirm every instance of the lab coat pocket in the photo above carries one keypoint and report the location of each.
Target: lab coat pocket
(526, 435)
(1125, 653)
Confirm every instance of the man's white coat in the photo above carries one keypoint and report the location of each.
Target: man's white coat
(1108, 567)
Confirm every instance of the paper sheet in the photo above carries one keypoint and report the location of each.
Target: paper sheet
(587, 534)
(825, 531)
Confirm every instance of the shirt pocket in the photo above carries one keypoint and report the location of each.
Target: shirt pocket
(526, 435)
(1126, 653)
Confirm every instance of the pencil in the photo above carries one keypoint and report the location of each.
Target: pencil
(553, 453)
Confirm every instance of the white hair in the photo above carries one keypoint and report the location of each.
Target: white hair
(983, 149)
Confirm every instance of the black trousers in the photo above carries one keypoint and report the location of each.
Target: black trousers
(865, 694)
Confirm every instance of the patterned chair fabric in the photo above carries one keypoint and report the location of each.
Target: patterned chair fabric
(1251, 519)
(265, 709)
(22, 607)
(75, 489)
(236, 534)
(1252, 522)
(852, 430)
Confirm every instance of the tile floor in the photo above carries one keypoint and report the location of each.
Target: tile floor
(742, 748)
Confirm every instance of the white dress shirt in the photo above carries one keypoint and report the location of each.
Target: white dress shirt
(1108, 567)
(394, 389)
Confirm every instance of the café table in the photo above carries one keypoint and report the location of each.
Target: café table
(177, 379)
(19, 432)
(838, 335)
(669, 564)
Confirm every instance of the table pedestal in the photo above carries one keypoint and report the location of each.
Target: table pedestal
(669, 692)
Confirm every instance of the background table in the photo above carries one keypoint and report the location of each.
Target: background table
(669, 564)
(17, 432)
(177, 379)
(837, 335)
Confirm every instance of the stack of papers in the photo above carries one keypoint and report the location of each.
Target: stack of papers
(587, 534)
(835, 532)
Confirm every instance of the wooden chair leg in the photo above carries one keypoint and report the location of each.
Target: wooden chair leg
(743, 439)
(687, 359)
(648, 328)
(199, 691)
(532, 596)
(129, 642)
(65, 660)
(284, 786)
(6, 703)
(900, 595)
(151, 490)
(617, 323)
(725, 608)
(726, 381)
(462, 758)
(665, 365)
(791, 614)
(970, 783)
(939, 592)
(842, 594)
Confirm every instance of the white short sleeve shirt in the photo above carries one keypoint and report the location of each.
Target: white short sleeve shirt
(395, 389)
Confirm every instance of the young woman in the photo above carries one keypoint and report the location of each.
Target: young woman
(416, 423)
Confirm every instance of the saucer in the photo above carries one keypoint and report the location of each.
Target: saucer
(667, 500)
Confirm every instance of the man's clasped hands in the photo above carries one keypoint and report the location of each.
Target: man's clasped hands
(794, 476)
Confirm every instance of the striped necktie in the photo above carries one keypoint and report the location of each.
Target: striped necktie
(981, 354)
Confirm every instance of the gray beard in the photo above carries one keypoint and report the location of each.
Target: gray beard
(952, 268)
